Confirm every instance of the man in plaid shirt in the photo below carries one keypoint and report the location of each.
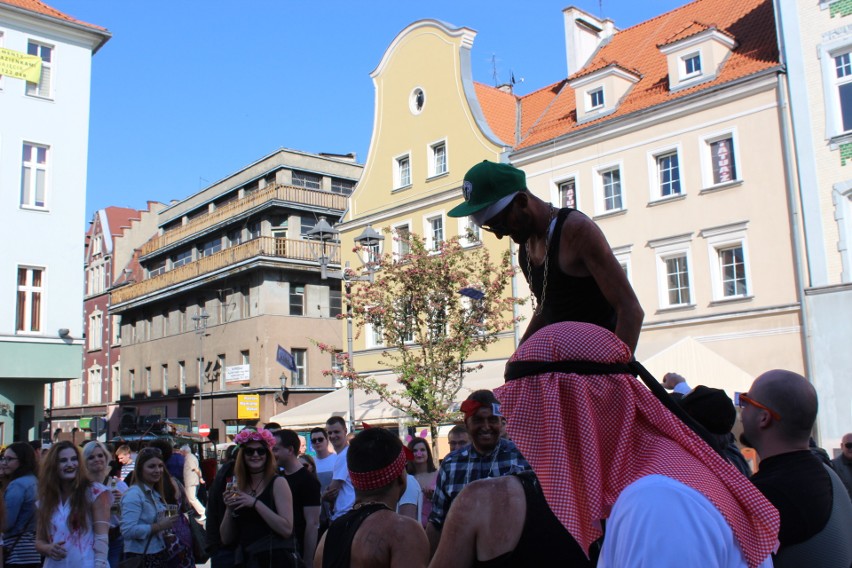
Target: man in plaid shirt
(488, 455)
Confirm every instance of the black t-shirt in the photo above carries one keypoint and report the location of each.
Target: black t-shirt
(799, 486)
(306, 493)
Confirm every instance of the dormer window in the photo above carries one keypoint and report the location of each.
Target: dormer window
(692, 65)
(596, 99)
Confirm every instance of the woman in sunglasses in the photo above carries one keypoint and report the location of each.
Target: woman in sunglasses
(259, 515)
(20, 496)
(73, 513)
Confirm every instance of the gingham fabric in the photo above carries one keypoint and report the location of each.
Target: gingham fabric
(369, 480)
(588, 437)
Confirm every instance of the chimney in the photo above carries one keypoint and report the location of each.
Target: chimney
(584, 35)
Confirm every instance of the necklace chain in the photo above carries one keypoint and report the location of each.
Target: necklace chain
(368, 503)
(537, 306)
(254, 487)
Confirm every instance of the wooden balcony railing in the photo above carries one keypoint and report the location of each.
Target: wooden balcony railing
(263, 246)
(298, 195)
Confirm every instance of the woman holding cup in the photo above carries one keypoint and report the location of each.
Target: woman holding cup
(97, 455)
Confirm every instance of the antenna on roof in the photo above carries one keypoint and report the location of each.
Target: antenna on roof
(494, 68)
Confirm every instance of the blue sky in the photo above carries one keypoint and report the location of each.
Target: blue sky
(188, 91)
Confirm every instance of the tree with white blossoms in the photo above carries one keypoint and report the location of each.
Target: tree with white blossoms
(428, 328)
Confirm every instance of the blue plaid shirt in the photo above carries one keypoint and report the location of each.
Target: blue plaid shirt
(466, 465)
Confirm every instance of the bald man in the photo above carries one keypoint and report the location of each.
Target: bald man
(843, 463)
(778, 414)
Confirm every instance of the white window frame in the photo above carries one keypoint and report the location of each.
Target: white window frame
(46, 71)
(60, 393)
(115, 379)
(842, 198)
(591, 95)
(148, 381)
(720, 239)
(164, 378)
(398, 246)
(435, 161)
(685, 73)
(94, 385)
(182, 376)
(666, 249)
(557, 191)
(76, 392)
(29, 195)
(399, 181)
(429, 230)
(655, 179)
(115, 330)
(623, 256)
(465, 223)
(300, 359)
(131, 383)
(826, 52)
(372, 337)
(600, 198)
(96, 329)
(28, 327)
(707, 160)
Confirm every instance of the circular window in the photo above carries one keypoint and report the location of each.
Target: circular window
(417, 100)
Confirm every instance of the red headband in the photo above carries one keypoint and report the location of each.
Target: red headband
(470, 406)
(369, 480)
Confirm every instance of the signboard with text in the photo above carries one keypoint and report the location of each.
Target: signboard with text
(237, 374)
(248, 406)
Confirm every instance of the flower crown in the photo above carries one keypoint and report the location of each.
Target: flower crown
(259, 435)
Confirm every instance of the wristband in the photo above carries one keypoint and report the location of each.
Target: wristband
(254, 505)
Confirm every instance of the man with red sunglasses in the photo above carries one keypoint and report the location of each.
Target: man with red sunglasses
(778, 415)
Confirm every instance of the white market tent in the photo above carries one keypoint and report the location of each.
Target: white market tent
(371, 408)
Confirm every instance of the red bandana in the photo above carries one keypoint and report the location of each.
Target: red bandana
(582, 481)
(370, 480)
(469, 408)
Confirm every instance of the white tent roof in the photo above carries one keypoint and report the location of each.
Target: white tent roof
(700, 366)
(371, 408)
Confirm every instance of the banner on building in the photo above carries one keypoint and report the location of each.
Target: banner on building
(248, 406)
(238, 374)
(20, 65)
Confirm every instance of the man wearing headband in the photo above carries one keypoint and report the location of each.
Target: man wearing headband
(563, 254)
(372, 534)
(488, 455)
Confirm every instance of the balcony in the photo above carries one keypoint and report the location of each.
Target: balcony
(290, 194)
(289, 249)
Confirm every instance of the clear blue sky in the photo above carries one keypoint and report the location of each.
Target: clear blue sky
(188, 91)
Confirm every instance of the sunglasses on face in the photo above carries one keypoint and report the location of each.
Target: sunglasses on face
(317, 440)
(848, 445)
(254, 451)
(746, 399)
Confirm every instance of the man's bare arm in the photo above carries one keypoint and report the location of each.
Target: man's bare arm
(312, 515)
(410, 547)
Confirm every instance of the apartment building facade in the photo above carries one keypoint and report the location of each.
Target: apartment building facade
(43, 158)
(229, 278)
(816, 38)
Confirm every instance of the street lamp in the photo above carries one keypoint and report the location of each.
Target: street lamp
(368, 239)
(200, 320)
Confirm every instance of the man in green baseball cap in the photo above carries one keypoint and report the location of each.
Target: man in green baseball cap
(563, 254)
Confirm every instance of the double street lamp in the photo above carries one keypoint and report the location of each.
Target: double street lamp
(369, 239)
(200, 320)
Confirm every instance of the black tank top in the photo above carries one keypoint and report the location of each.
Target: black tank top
(544, 541)
(568, 298)
(337, 550)
(251, 525)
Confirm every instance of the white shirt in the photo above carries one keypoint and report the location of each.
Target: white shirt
(658, 522)
(325, 469)
(346, 496)
(413, 496)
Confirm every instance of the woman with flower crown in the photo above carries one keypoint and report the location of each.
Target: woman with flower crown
(259, 515)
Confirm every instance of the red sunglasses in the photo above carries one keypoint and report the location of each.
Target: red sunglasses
(746, 399)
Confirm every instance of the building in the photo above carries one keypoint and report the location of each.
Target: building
(432, 122)
(228, 279)
(87, 401)
(817, 51)
(43, 156)
(671, 136)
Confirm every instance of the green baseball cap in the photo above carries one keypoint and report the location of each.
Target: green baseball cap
(485, 184)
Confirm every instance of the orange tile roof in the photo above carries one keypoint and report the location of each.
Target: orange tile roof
(41, 8)
(551, 112)
(119, 219)
(501, 111)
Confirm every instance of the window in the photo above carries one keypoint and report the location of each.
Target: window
(596, 98)
(403, 240)
(245, 301)
(131, 383)
(723, 167)
(148, 382)
(115, 393)
(436, 232)
(34, 176)
(300, 356)
(164, 321)
(181, 258)
(182, 376)
(76, 394)
(307, 223)
(622, 255)
(95, 333)
(469, 232)
(610, 181)
(668, 174)
(342, 186)
(306, 180)
(244, 357)
(677, 280)
(30, 293)
(42, 88)
(335, 302)
(568, 193)
(93, 396)
(691, 65)
(211, 247)
(297, 299)
(402, 175)
(115, 330)
(97, 245)
(157, 268)
(254, 230)
(235, 237)
(728, 261)
(438, 161)
(164, 375)
(843, 73)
